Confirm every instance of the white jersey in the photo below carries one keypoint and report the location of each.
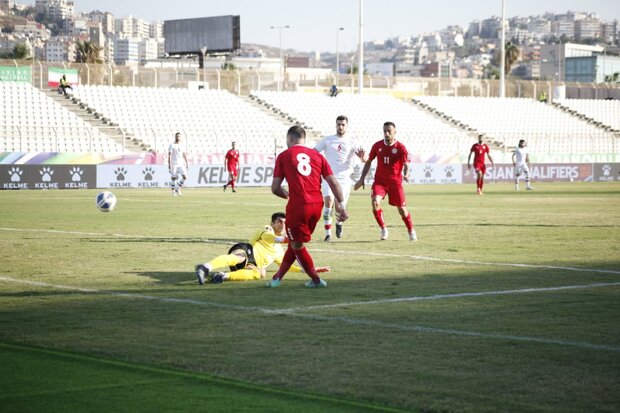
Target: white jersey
(520, 156)
(340, 154)
(176, 155)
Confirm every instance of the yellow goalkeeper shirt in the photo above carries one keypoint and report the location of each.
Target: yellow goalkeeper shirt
(267, 250)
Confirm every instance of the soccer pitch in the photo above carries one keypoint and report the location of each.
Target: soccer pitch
(508, 302)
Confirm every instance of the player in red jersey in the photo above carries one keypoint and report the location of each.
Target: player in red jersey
(392, 167)
(479, 150)
(231, 164)
(302, 168)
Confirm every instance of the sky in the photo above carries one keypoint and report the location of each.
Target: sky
(314, 23)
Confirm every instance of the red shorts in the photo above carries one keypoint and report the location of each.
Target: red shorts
(233, 171)
(394, 191)
(301, 220)
(480, 167)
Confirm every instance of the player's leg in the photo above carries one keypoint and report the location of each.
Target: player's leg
(397, 198)
(204, 271)
(328, 204)
(377, 193)
(526, 172)
(245, 274)
(346, 191)
(233, 180)
(173, 181)
(517, 176)
(182, 181)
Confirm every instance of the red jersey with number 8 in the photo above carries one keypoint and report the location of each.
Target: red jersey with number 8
(302, 168)
(390, 161)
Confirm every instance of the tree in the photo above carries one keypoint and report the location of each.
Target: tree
(87, 52)
(229, 66)
(615, 78)
(512, 55)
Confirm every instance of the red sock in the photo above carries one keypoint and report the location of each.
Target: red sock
(232, 183)
(481, 183)
(408, 222)
(307, 264)
(287, 261)
(478, 183)
(379, 217)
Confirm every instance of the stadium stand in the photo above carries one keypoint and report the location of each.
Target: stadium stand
(547, 129)
(420, 131)
(209, 119)
(605, 113)
(32, 122)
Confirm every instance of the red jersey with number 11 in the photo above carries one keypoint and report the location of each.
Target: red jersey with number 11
(390, 161)
(302, 168)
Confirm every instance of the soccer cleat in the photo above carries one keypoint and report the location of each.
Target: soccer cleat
(413, 236)
(479, 191)
(529, 188)
(234, 190)
(216, 277)
(311, 284)
(202, 273)
(384, 234)
(339, 230)
(328, 238)
(179, 191)
(225, 188)
(273, 283)
(174, 192)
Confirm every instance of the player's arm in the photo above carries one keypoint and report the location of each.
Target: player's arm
(469, 159)
(170, 160)
(278, 190)
(491, 159)
(527, 159)
(335, 187)
(185, 157)
(360, 182)
(406, 172)
(226, 162)
(514, 158)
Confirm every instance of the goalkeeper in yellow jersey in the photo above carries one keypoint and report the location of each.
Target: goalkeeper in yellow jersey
(249, 260)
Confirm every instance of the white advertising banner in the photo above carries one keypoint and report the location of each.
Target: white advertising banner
(433, 173)
(158, 176)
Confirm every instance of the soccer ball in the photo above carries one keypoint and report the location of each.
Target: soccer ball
(105, 201)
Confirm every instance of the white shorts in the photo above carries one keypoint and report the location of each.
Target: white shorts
(522, 170)
(345, 185)
(178, 170)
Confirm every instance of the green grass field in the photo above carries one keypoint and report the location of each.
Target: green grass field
(509, 302)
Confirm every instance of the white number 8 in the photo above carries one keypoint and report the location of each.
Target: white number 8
(303, 166)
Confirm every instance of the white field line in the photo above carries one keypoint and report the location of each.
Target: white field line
(353, 321)
(333, 251)
(445, 296)
(455, 261)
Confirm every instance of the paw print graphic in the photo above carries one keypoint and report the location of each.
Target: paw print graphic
(76, 174)
(606, 169)
(449, 170)
(16, 174)
(120, 173)
(46, 174)
(428, 171)
(148, 173)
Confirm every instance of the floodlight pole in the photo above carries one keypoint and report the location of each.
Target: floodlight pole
(281, 68)
(337, 55)
(360, 65)
(204, 61)
(502, 63)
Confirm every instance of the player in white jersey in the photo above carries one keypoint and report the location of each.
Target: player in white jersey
(177, 164)
(340, 150)
(521, 162)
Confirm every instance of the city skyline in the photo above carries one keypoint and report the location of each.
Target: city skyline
(320, 19)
